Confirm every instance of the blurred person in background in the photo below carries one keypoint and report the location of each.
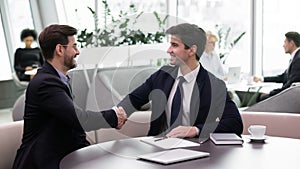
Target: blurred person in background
(210, 60)
(27, 58)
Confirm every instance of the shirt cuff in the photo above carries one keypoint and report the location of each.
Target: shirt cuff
(197, 130)
(115, 109)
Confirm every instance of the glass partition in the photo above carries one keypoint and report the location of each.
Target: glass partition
(232, 16)
(5, 69)
(279, 17)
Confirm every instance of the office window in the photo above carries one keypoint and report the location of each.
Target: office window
(78, 14)
(5, 70)
(17, 15)
(279, 17)
(233, 14)
(20, 17)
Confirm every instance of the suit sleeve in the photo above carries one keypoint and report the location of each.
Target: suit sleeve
(293, 76)
(55, 100)
(137, 98)
(90, 120)
(277, 79)
(217, 113)
(231, 120)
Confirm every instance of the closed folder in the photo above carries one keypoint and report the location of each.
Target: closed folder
(226, 138)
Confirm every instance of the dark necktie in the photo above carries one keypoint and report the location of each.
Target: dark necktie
(176, 109)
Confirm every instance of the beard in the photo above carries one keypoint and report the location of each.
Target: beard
(70, 63)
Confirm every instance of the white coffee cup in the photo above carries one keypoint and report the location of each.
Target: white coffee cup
(257, 131)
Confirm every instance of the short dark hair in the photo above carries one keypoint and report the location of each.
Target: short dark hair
(190, 34)
(53, 35)
(293, 36)
(28, 32)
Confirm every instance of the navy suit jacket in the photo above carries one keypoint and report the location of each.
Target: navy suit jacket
(291, 75)
(223, 111)
(52, 123)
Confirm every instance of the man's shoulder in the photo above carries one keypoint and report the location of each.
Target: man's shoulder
(214, 81)
(168, 68)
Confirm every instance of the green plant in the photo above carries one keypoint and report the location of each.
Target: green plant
(224, 45)
(121, 30)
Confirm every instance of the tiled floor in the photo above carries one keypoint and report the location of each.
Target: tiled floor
(5, 115)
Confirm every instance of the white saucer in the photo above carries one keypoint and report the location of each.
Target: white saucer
(258, 139)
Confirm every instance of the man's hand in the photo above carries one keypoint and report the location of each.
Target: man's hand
(122, 116)
(183, 131)
(257, 79)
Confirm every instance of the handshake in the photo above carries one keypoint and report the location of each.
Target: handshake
(122, 116)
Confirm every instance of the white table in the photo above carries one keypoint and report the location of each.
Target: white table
(276, 152)
(266, 87)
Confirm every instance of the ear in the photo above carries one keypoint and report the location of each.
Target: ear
(194, 49)
(59, 50)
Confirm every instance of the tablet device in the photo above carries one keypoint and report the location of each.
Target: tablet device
(233, 75)
(173, 156)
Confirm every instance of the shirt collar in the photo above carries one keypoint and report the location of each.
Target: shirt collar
(189, 76)
(293, 54)
(64, 78)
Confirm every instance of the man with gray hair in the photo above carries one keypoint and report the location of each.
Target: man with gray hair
(186, 99)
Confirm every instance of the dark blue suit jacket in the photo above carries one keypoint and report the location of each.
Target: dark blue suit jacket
(52, 123)
(158, 87)
(291, 75)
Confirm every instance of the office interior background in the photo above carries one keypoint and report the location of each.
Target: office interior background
(259, 52)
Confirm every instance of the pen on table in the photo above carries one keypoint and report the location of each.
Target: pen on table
(162, 138)
(203, 140)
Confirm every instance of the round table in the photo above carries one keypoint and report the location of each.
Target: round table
(275, 152)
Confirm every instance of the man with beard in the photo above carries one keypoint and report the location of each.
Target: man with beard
(53, 125)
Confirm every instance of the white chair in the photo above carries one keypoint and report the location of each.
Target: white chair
(18, 108)
(11, 136)
(278, 124)
(20, 84)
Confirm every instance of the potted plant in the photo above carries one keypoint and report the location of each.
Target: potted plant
(224, 45)
(121, 30)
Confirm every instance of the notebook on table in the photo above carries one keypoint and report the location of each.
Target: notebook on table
(233, 75)
(173, 156)
(226, 138)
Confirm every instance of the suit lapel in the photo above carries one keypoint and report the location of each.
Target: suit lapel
(167, 87)
(48, 68)
(297, 54)
(195, 100)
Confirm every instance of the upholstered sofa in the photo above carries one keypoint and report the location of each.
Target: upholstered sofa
(11, 135)
(287, 101)
(278, 124)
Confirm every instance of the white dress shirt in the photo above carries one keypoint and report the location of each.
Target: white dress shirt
(188, 86)
(212, 63)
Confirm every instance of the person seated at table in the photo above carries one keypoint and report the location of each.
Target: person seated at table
(292, 73)
(53, 125)
(27, 58)
(210, 60)
(205, 106)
